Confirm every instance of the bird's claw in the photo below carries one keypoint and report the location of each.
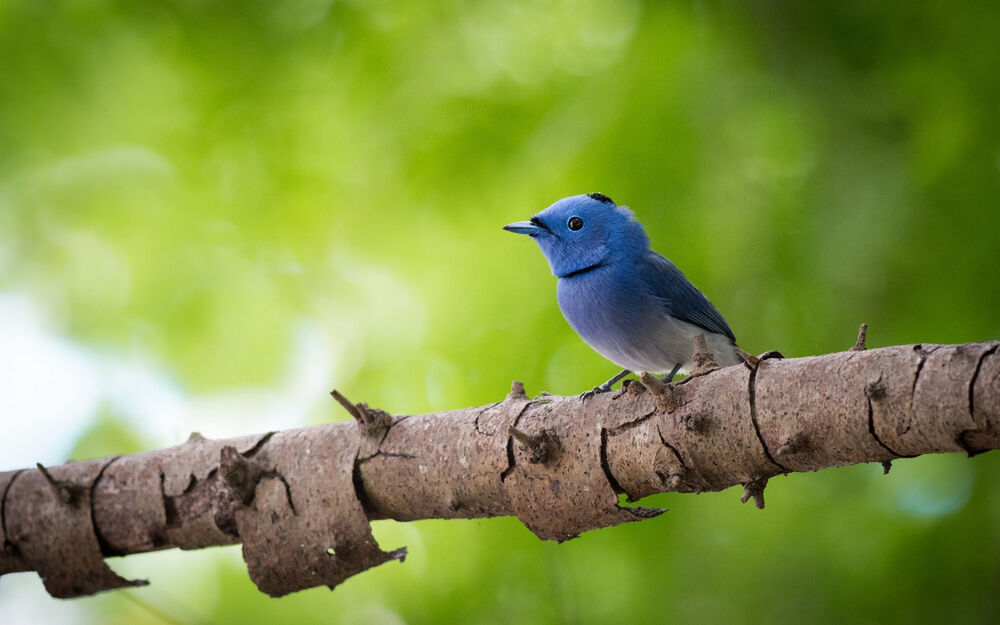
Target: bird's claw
(603, 388)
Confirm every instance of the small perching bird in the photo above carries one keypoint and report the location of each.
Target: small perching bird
(630, 304)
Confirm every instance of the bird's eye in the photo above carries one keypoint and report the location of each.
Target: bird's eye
(575, 223)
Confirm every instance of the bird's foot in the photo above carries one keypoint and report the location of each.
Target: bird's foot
(603, 388)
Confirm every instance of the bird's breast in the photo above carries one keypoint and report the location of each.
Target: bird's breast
(611, 313)
(620, 319)
(598, 301)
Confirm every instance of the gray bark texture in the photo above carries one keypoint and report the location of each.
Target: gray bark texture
(301, 500)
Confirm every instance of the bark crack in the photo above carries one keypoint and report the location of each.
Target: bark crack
(612, 481)
(923, 353)
(481, 413)
(250, 453)
(172, 519)
(752, 392)
(105, 546)
(385, 434)
(632, 424)
(672, 481)
(972, 381)
(969, 439)
(871, 430)
(288, 489)
(673, 449)
(358, 482)
(511, 461)
(385, 454)
(875, 390)
(8, 544)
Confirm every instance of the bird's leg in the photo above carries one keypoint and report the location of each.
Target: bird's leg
(604, 388)
(670, 376)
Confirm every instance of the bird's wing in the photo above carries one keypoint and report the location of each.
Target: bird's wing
(681, 298)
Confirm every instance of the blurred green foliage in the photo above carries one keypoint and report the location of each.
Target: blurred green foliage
(192, 179)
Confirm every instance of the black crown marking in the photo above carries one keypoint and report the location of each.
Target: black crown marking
(600, 197)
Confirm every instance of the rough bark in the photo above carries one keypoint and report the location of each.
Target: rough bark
(300, 501)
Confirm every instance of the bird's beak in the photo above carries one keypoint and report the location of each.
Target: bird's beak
(522, 227)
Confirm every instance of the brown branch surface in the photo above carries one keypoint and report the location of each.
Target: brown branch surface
(301, 501)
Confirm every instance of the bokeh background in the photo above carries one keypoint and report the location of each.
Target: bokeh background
(212, 213)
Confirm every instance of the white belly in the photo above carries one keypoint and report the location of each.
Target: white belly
(632, 328)
(671, 344)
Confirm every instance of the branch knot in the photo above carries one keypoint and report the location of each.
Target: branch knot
(793, 444)
(667, 397)
(372, 421)
(544, 446)
(860, 346)
(239, 474)
(704, 361)
(697, 422)
(754, 489)
(516, 391)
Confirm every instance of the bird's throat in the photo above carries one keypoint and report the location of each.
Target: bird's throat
(583, 270)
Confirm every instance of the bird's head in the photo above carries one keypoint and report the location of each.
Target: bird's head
(584, 231)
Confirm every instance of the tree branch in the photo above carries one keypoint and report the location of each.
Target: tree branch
(300, 501)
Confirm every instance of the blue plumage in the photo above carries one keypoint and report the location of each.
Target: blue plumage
(680, 298)
(630, 304)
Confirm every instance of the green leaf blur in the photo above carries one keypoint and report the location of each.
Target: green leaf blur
(193, 181)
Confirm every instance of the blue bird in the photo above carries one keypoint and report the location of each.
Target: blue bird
(631, 305)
